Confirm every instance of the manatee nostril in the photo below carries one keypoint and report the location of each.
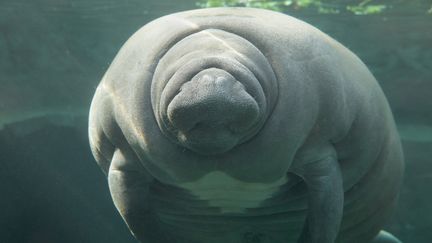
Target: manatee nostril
(197, 125)
(234, 128)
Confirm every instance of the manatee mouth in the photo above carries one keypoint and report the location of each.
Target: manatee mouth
(212, 112)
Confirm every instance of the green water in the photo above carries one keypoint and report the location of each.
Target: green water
(54, 52)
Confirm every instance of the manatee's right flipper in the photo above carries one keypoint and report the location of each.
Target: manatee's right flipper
(385, 237)
(129, 187)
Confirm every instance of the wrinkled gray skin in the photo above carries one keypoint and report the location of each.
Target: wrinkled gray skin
(242, 125)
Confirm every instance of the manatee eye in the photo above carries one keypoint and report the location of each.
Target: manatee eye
(182, 87)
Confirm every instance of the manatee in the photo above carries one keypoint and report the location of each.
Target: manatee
(242, 125)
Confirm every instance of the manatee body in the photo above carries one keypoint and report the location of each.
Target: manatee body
(242, 125)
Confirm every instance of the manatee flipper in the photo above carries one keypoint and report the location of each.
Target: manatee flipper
(129, 187)
(385, 237)
(325, 200)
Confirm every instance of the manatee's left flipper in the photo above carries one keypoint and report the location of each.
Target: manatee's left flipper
(325, 200)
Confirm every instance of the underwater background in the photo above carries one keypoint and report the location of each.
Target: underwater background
(53, 54)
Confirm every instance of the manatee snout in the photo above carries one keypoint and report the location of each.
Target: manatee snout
(212, 91)
(212, 112)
